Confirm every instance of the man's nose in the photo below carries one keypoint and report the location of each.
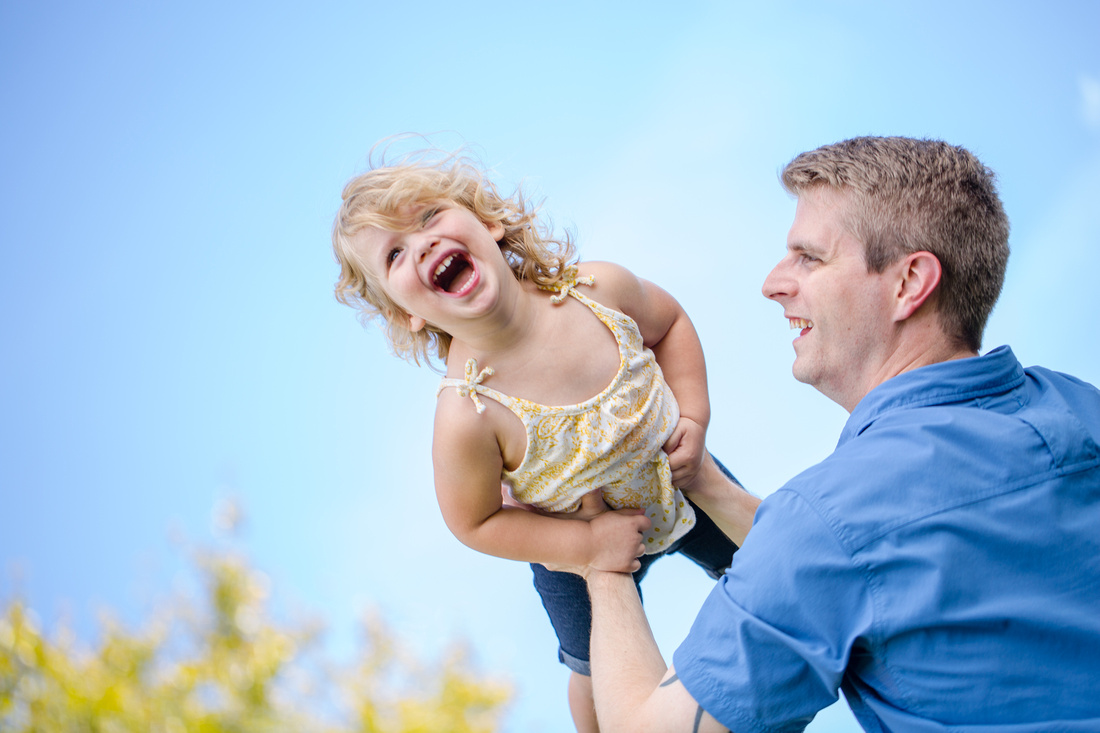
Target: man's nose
(778, 283)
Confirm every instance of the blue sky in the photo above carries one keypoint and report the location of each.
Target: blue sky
(169, 174)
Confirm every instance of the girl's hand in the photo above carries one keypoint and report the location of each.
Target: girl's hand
(616, 536)
(686, 448)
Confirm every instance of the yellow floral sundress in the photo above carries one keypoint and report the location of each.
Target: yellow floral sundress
(612, 440)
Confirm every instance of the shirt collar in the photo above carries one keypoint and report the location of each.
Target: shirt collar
(936, 384)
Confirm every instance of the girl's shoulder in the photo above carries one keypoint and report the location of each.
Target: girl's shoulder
(614, 285)
(473, 430)
(459, 422)
(610, 270)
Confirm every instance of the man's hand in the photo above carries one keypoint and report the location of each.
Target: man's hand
(616, 536)
(686, 448)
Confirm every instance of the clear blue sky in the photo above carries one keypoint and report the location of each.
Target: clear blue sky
(169, 174)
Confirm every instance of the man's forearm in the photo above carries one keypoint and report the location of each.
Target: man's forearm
(626, 662)
(726, 503)
(634, 690)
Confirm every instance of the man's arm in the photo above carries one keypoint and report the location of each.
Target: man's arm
(634, 690)
(724, 501)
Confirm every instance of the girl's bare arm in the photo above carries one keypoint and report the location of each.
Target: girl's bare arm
(669, 332)
(468, 463)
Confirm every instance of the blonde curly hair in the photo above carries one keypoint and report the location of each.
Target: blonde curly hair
(383, 197)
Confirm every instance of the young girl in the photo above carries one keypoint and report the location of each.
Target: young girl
(561, 378)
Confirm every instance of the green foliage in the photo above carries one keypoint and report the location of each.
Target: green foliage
(224, 665)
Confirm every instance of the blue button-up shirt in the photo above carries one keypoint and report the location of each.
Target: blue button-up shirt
(941, 567)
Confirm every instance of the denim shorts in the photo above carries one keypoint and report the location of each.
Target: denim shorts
(565, 595)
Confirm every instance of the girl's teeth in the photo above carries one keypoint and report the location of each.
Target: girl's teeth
(443, 265)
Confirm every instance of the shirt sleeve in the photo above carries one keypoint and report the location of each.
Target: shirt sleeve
(771, 643)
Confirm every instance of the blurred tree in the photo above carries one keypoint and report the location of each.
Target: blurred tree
(224, 665)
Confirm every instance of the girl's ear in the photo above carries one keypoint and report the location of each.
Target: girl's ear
(496, 230)
(415, 323)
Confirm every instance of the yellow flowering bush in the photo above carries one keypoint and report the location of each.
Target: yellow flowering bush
(224, 665)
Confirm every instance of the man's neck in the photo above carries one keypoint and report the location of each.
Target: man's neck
(918, 345)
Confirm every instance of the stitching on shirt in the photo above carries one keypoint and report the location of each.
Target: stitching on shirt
(713, 687)
(944, 396)
(838, 534)
(871, 580)
(876, 634)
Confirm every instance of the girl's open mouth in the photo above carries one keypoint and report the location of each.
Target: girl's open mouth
(454, 273)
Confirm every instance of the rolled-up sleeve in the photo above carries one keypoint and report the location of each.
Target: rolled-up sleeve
(770, 646)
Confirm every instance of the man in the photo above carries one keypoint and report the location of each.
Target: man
(942, 566)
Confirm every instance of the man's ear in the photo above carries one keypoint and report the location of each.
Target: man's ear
(919, 275)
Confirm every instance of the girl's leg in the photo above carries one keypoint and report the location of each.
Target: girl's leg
(581, 705)
(565, 597)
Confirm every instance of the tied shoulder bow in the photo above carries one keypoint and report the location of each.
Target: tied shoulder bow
(468, 388)
(569, 282)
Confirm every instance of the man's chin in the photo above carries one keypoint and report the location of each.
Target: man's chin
(802, 373)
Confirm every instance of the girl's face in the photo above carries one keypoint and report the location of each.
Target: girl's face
(445, 269)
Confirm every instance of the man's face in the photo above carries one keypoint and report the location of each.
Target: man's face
(844, 313)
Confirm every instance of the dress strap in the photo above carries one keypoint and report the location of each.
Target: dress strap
(468, 386)
(568, 284)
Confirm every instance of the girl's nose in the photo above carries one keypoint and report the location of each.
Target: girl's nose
(424, 245)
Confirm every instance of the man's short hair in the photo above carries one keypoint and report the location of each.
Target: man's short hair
(909, 195)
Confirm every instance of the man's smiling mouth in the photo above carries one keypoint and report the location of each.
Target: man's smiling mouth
(453, 273)
(800, 323)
